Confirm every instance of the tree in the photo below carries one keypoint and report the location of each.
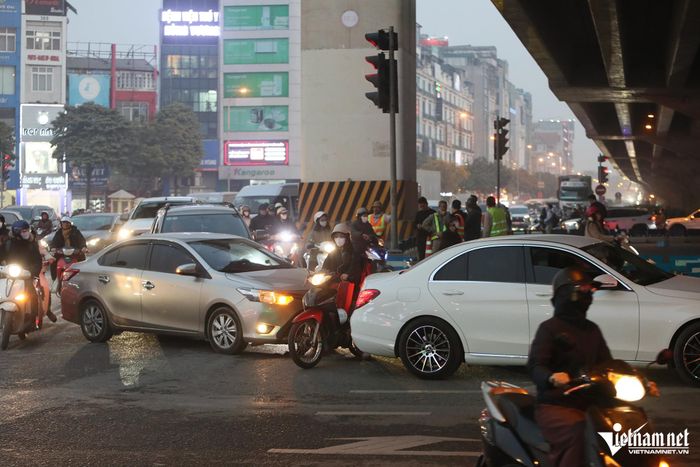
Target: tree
(453, 177)
(90, 136)
(179, 141)
(148, 165)
(7, 139)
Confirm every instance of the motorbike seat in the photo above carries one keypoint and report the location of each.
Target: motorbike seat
(519, 411)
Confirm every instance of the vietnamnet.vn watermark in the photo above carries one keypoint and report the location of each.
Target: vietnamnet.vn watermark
(637, 442)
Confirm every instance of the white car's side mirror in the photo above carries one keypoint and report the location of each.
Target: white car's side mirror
(606, 281)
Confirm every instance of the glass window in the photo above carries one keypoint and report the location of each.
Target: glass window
(547, 262)
(43, 40)
(496, 264)
(87, 223)
(42, 78)
(235, 256)
(8, 39)
(216, 223)
(455, 270)
(149, 210)
(132, 256)
(7, 80)
(166, 258)
(133, 111)
(628, 264)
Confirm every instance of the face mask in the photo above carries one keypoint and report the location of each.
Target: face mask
(26, 235)
(66, 227)
(340, 241)
(323, 223)
(364, 219)
(284, 216)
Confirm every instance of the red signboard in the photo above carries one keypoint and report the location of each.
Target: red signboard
(600, 190)
(45, 7)
(435, 42)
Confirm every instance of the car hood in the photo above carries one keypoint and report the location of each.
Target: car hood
(677, 286)
(293, 279)
(139, 225)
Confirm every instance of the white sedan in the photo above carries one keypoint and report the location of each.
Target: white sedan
(481, 302)
(681, 225)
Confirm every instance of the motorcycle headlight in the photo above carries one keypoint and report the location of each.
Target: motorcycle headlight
(318, 279)
(279, 251)
(327, 247)
(628, 388)
(93, 242)
(124, 234)
(295, 248)
(285, 237)
(14, 270)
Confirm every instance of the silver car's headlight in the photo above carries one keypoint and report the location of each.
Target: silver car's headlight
(93, 242)
(266, 296)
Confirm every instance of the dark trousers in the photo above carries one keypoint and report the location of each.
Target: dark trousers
(420, 244)
(564, 430)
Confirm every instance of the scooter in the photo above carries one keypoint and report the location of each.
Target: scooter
(285, 245)
(377, 255)
(325, 322)
(316, 254)
(510, 436)
(64, 257)
(17, 316)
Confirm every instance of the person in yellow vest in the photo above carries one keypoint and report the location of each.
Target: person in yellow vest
(495, 219)
(435, 225)
(379, 221)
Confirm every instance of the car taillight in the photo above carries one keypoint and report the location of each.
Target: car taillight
(366, 296)
(69, 273)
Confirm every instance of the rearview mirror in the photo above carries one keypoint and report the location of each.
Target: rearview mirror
(189, 269)
(606, 281)
(124, 217)
(260, 235)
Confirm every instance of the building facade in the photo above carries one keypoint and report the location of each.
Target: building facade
(444, 108)
(553, 142)
(189, 74)
(520, 136)
(10, 79)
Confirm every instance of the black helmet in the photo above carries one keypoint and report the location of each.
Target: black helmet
(576, 279)
(18, 227)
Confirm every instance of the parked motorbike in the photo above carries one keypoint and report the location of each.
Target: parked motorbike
(64, 257)
(316, 254)
(325, 322)
(510, 435)
(17, 314)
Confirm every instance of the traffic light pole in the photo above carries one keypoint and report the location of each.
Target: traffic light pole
(394, 228)
(497, 156)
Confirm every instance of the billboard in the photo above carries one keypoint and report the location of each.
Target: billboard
(190, 26)
(256, 118)
(262, 84)
(210, 162)
(10, 6)
(256, 152)
(256, 17)
(45, 7)
(255, 51)
(35, 121)
(88, 88)
(77, 179)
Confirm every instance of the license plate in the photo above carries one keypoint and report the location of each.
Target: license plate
(68, 260)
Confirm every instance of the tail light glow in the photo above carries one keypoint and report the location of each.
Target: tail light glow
(366, 296)
(69, 273)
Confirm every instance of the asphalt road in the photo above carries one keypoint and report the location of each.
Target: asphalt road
(147, 400)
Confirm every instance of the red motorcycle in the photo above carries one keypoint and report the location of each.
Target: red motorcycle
(65, 257)
(324, 324)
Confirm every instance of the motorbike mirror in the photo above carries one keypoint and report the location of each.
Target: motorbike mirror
(606, 281)
(664, 357)
(189, 269)
(124, 217)
(260, 235)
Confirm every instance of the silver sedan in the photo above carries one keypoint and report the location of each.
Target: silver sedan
(221, 288)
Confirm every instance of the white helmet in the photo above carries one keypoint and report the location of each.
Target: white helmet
(341, 228)
(319, 215)
(66, 219)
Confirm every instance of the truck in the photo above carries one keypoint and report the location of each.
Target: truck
(574, 191)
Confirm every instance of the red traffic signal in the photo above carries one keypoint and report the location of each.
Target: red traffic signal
(602, 159)
(383, 40)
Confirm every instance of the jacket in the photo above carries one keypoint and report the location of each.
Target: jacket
(496, 223)
(449, 238)
(318, 235)
(357, 229)
(76, 239)
(345, 260)
(23, 252)
(261, 222)
(594, 230)
(421, 216)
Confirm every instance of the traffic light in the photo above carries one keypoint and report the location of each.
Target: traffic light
(382, 78)
(603, 174)
(501, 138)
(8, 163)
(602, 159)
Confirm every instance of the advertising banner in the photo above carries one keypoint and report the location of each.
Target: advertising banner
(77, 179)
(10, 6)
(256, 118)
(263, 84)
(210, 162)
(256, 153)
(35, 120)
(255, 51)
(256, 17)
(45, 7)
(88, 88)
(190, 26)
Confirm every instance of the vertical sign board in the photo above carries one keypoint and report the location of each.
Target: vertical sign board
(245, 119)
(36, 152)
(260, 84)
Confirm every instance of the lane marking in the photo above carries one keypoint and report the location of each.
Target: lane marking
(408, 414)
(415, 391)
(386, 446)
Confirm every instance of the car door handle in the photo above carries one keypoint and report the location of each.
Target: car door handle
(148, 285)
(543, 294)
(452, 292)
(103, 279)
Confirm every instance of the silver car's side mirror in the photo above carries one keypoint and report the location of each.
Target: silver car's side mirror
(189, 269)
(606, 281)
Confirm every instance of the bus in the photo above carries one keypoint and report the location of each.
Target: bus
(574, 190)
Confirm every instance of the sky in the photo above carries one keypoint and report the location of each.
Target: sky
(475, 22)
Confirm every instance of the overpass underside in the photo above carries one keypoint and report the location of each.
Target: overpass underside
(630, 71)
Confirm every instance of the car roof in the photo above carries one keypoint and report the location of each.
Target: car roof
(161, 199)
(189, 236)
(202, 209)
(577, 241)
(95, 214)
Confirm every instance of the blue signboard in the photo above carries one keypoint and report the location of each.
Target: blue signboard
(88, 88)
(210, 162)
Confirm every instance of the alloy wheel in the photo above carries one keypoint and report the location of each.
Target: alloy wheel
(93, 321)
(224, 331)
(307, 348)
(691, 356)
(428, 349)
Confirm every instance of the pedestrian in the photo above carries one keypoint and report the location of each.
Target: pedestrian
(457, 215)
(421, 234)
(660, 220)
(450, 236)
(495, 219)
(379, 221)
(472, 221)
(245, 215)
(434, 226)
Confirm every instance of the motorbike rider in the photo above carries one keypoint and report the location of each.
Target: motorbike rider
(345, 262)
(68, 237)
(320, 232)
(362, 233)
(45, 226)
(22, 249)
(264, 220)
(565, 347)
(245, 215)
(283, 223)
(4, 232)
(594, 225)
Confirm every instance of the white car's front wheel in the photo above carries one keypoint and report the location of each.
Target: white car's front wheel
(686, 354)
(430, 349)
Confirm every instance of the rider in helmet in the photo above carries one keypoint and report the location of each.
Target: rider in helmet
(22, 249)
(44, 226)
(594, 225)
(362, 232)
(321, 231)
(344, 262)
(68, 237)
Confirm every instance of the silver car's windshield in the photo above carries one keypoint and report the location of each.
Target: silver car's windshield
(237, 256)
(628, 264)
(93, 222)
